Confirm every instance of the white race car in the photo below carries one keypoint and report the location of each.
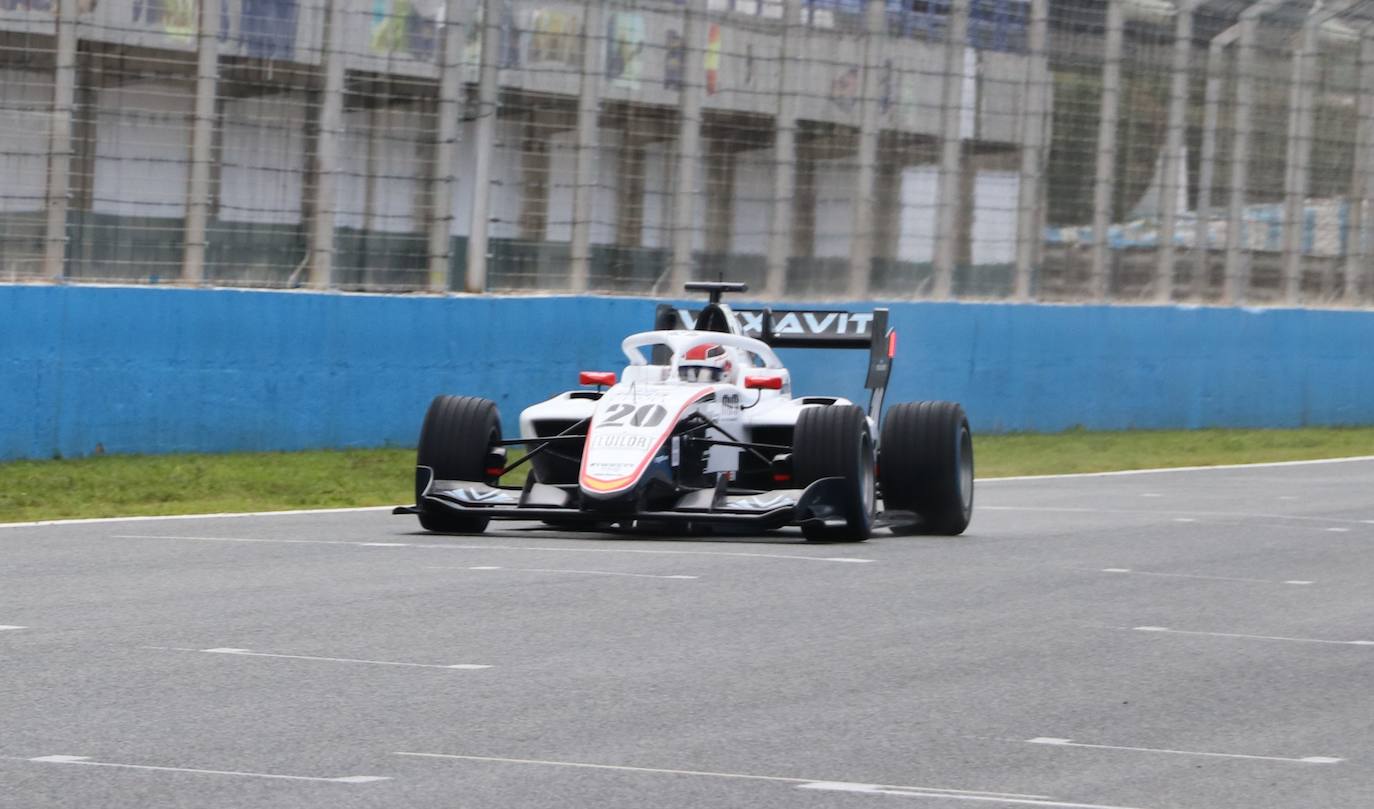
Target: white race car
(702, 431)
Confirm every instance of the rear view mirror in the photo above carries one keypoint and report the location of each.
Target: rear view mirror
(596, 378)
(763, 382)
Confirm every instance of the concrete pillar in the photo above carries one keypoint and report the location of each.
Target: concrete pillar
(1207, 161)
(1298, 163)
(1358, 231)
(1104, 182)
(484, 146)
(1029, 232)
(588, 143)
(1173, 146)
(1237, 282)
(720, 195)
(327, 135)
(861, 228)
(688, 143)
(60, 143)
(445, 152)
(203, 125)
(949, 181)
(784, 153)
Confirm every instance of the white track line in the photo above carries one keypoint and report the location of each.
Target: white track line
(1188, 576)
(1070, 743)
(1166, 512)
(248, 653)
(1157, 470)
(559, 570)
(4, 627)
(212, 516)
(499, 547)
(710, 774)
(85, 761)
(1167, 631)
(874, 789)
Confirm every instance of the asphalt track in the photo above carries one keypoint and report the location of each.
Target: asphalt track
(1197, 639)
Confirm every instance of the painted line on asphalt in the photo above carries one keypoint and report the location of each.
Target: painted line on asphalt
(843, 559)
(560, 570)
(249, 653)
(1164, 630)
(5, 627)
(930, 791)
(874, 789)
(1167, 512)
(1158, 470)
(86, 761)
(1053, 742)
(1134, 572)
(218, 515)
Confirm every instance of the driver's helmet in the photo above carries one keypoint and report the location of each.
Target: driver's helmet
(705, 363)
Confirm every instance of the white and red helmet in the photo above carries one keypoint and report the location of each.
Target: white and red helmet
(705, 363)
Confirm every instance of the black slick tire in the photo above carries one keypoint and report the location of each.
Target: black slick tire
(834, 441)
(926, 467)
(455, 440)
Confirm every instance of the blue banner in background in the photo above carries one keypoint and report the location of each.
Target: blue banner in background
(148, 370)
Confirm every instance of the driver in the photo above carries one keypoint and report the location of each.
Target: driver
(704, 363)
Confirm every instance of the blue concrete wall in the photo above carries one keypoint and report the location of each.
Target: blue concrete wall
(167, 370)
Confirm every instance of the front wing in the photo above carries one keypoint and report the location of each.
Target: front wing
(817, 504)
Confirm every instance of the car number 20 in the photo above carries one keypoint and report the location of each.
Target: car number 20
(650, 415)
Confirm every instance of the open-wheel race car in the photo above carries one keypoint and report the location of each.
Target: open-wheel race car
(702, 431)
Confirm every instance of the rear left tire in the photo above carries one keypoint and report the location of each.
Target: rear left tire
(455, 441)
(927, 467)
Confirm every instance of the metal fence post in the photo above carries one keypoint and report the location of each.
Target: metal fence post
(1029, 233)
(688, 143)
(327, 149)
(1357, 270)
(588, 143)
(1173, 146)
(784, 154)
(203, 123)
(862, 230)
(1104, 182)
(484, 143)
(1297, 164)
(949, 179)
(442, 179)
(60, 144)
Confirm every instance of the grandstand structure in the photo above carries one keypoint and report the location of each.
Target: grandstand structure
(1126, 150)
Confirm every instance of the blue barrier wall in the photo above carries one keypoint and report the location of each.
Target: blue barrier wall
(167, 370)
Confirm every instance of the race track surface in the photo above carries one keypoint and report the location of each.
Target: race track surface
(1190, 639)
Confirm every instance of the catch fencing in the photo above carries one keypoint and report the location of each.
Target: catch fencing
(1061, 150)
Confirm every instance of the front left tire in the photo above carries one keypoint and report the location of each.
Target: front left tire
(834, 441)
(455, 441)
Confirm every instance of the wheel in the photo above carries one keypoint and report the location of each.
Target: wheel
(457, 436)
(927, 466)
(833, 441)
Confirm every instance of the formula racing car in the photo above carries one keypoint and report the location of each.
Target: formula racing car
(701, 432)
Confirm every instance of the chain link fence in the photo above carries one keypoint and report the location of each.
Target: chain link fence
(1066, 150)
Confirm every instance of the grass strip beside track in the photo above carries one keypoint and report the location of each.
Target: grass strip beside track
(131, 485)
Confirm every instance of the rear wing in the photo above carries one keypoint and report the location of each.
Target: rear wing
(810, 328)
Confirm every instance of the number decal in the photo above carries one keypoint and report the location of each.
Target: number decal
(650, 415)
(617, 414)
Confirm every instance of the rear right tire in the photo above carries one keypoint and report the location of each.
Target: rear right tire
(458, 435)
(926, 467)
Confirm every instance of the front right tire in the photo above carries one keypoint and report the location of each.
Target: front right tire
(458, 435)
